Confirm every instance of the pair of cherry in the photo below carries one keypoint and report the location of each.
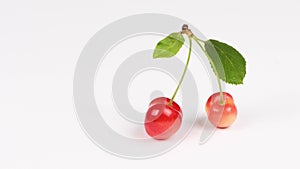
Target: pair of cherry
(164, 116)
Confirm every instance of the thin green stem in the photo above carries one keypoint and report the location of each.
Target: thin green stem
(184, 72)
(197, 39)
(222, 101)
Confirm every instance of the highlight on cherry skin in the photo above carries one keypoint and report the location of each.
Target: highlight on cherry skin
(221, 115)
(162, 120)
(215, 98)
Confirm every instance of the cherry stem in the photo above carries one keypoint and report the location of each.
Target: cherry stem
(184, 71)
(222, 100)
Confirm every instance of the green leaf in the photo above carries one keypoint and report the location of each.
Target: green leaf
(169, 46)
(226, 61)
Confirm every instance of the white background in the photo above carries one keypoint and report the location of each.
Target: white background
(40, 42)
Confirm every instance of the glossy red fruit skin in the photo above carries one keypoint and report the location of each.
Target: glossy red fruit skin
(215, 98)
(162, 120)
(221, 116)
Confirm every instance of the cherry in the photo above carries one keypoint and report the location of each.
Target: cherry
(221, 115)
(162, 120)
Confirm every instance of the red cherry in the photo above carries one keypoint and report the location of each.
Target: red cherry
(162, 120)
(221, 116)
(215, 98)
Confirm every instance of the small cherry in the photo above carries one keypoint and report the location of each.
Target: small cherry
(221, 113)
(162, 120)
